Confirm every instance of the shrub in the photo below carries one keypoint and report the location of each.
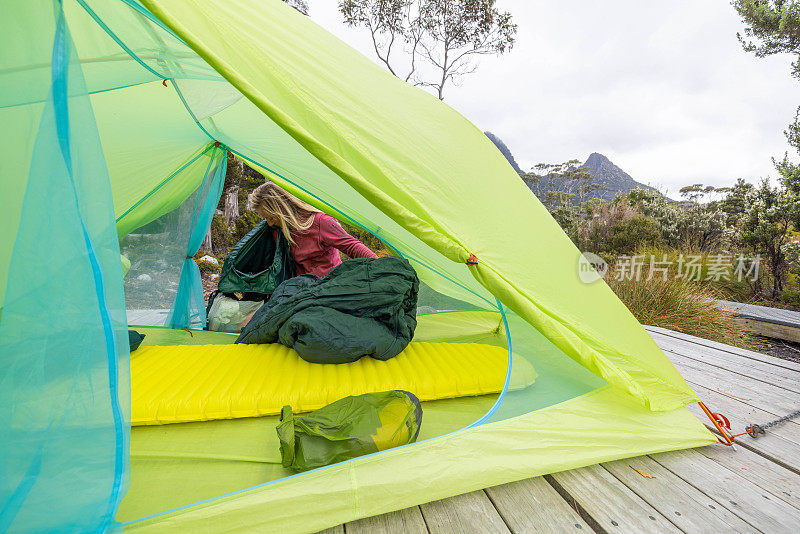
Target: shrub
(791, 299)
(206, 267)
(630, 234)
(617, 228)
(791, 252)
(245, 223)
(682, 306)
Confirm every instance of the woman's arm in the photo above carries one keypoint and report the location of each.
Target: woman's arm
(333, 235)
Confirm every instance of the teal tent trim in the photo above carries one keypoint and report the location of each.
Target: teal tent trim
(189, 306)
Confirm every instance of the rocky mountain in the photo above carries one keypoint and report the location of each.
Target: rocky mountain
(603, 170)
(501, 146)
(612, 177)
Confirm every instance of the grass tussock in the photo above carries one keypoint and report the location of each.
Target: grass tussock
(682, 306)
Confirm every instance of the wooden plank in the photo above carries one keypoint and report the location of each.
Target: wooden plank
(609, 503)
(688, 508)
(765, 372)
(776, 479)
(755, 311)
(463, 514)
(747, 500)
(726, 348)
(532, 505)
(408, 521)
(753, 392)
(770, 330)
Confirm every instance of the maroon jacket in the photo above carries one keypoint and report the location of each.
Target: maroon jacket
(316, 251)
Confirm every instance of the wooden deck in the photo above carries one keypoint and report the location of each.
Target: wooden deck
(755, 488)
(769, 322)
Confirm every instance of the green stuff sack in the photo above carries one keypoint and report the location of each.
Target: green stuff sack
(350, 427)
(257, 264)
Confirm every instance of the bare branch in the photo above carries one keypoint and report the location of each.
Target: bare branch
(446, 34)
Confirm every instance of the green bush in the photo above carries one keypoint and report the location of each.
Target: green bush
(791, 298)
(628, 235)
(244, 224)
(206, 267)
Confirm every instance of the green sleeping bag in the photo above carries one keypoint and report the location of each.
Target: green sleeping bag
(363, 307)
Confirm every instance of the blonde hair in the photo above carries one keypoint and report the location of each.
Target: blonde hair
(294, 214)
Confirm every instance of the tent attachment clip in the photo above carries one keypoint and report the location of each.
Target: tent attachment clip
(722, 425)
(472, 260)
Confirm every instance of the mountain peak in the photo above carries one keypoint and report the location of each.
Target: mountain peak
(612, 177)
(596, 157)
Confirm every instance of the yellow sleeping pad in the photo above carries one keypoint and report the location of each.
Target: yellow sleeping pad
(201, 382)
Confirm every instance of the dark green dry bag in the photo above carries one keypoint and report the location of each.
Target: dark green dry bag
(350, 427)
(257, 264)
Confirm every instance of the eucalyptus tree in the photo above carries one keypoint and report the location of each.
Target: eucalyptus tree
(437, 42)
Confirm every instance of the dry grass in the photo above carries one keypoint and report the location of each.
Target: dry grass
(683, 306)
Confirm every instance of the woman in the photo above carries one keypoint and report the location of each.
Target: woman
(315, 238)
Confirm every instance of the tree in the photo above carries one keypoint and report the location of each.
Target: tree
(790, 180)
(736, 203)
(773, 27)
(565, 182)
(230, 192)
(390, 23)
(564, 189)
(448, 35)
(697, 192)
(766, 227)
(696, 227)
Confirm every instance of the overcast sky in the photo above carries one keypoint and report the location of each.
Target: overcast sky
(661, 88)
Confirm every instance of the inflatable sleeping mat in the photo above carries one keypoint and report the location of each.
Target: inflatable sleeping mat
(184, 383)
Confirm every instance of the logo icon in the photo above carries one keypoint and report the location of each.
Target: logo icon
(591, 267)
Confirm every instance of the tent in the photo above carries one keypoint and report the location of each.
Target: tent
(116, 117)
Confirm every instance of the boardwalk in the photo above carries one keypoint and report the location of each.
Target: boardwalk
(755, 488)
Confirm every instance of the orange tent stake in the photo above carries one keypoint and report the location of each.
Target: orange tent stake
(722, 424)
